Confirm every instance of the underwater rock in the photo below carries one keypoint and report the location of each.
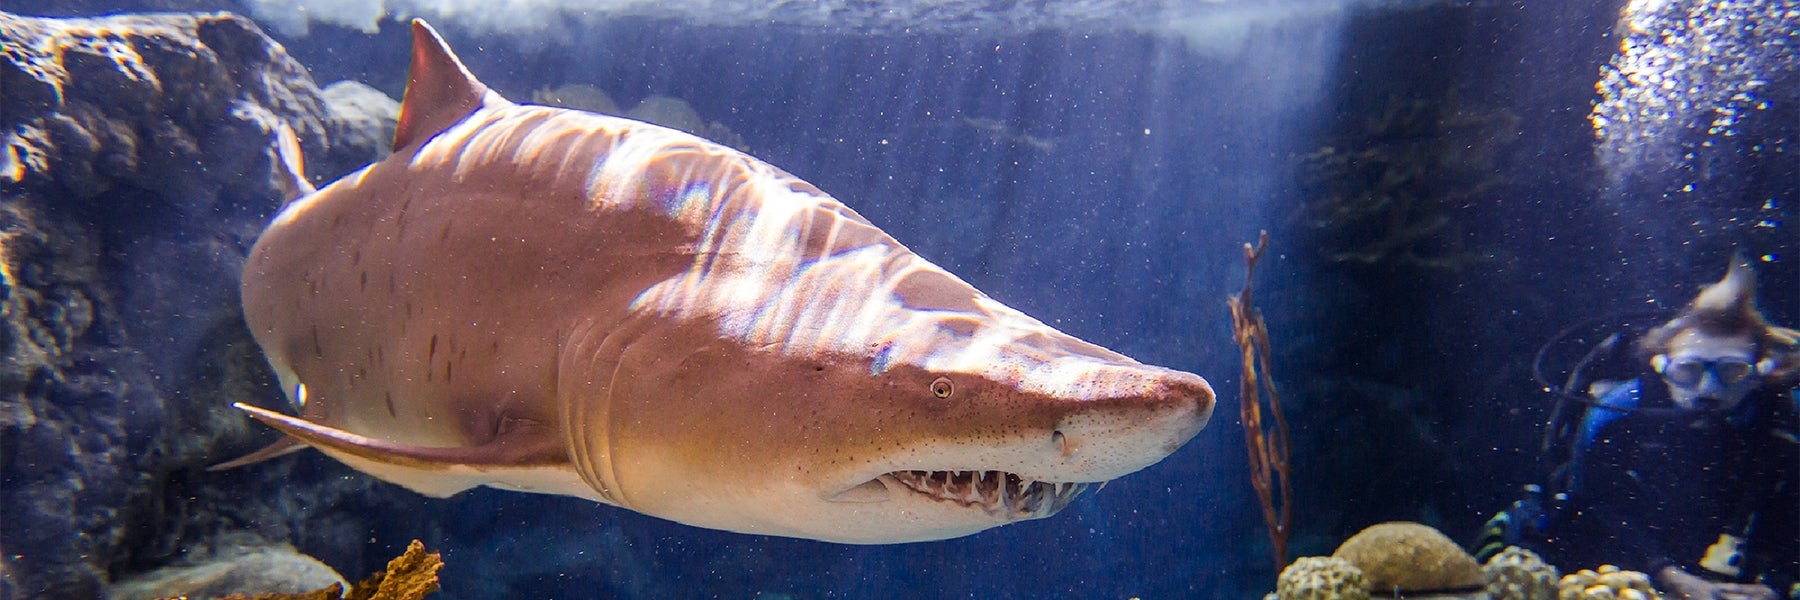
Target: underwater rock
(136, 168)
(1606, 583)
(1411, 558)
(673, 113)
(676, 113)
(579, 96)
(1321, 578)
(288, 575)
(361, 120)
(277, 570)
(1519, 574)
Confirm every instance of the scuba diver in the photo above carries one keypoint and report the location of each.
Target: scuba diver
(1687, 472)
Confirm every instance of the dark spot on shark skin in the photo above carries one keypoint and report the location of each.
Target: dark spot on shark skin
(962, 326)
(933, 290)
(444, 233)
(400, 221)
(364, 277)
(430, 355)
(448, 371)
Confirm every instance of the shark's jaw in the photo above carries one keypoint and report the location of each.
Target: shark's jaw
(1001, 495)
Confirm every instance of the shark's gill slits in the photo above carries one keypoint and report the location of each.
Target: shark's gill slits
(997, 492)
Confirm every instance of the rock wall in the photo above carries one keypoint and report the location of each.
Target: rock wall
(137, 167)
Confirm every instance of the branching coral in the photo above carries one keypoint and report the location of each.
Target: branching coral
(1389, 193)
(1269, 448)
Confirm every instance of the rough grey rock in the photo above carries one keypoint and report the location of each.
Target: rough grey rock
(359, 116)
(278, 570)
(136, 168)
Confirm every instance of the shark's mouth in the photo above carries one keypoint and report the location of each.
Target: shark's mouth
(999, 493)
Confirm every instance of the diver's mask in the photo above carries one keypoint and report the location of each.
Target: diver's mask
(1716, 384)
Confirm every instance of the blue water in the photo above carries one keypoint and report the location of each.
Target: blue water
(1102, 175)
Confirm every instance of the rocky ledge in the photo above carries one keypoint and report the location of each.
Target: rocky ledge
(136, 169)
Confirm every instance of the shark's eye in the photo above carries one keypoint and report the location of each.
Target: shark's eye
(941, 387)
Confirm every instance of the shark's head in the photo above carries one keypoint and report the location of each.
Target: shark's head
(919, 410)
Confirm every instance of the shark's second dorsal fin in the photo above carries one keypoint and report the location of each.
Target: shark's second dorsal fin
(439, 90)
(292, 170)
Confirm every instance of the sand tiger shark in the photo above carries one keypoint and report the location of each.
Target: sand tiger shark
(554, 301)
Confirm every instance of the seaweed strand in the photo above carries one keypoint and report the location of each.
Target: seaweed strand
(1269, 448)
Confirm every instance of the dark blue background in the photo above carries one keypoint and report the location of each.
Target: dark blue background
(1408, 387)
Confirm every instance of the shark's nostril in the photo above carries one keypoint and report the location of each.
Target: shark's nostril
(1061, 442)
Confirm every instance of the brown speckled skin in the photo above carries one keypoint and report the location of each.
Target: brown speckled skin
(692, 333)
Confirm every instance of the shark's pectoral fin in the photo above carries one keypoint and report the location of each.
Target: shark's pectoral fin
(280, 448)
(526, 457)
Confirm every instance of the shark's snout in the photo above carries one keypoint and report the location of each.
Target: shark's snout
(1187, 402)
(1145, 414)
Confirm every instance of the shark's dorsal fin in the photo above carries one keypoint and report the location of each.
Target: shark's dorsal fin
(439, 90)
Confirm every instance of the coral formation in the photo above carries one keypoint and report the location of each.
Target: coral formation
(1410, 557)
(1519, 574)
(1321, 578)
(1606, 583)
(1269, 447)
(410, 576)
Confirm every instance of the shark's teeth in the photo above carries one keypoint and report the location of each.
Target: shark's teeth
(999, 493)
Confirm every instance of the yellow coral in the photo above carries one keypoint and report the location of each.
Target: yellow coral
(1321, 578)
(1519, 574)
(1606, 583)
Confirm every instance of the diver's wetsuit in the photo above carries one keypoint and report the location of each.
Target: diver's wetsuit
(1655, 488)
